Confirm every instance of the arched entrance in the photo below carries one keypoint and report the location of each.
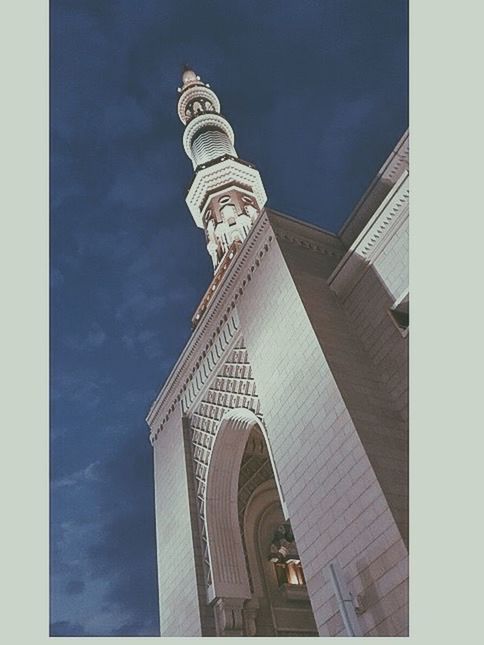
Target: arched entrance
(257, 583)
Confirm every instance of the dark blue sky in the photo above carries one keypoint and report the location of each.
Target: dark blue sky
(316, 91)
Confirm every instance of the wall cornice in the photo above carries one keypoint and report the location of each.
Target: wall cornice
(309, 243)
(366, 248)
(389, 174)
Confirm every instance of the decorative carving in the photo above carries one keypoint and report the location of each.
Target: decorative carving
(228, 616)
(206, 366)
(229, 213)
(223, 265)
(233, 387)
(205, 121)
(212, 248)
(202, 341)
(230, 173)
(398, 163)
(197, 92)
(308, 244)
(251, 211)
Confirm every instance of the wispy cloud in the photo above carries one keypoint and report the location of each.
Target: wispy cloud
(89, 474)
(146, 342)
(83, 388)
(126, 117)
(140, 305)
(94, 338)
(75, 587)
(102, 579)
(66, 628)
(116, 245)
(56, 278)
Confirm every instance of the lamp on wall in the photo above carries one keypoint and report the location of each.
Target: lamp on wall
(283, 554)
(283, 546)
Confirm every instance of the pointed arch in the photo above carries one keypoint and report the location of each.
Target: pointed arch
(229, 571)
(229, 577)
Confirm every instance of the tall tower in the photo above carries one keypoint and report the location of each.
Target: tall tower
(280, 436)
(226, 194)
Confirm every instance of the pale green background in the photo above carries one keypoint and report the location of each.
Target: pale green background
(446, 358)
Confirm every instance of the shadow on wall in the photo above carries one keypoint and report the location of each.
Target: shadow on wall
(367, 355)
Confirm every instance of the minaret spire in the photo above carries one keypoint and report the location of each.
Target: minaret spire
(226, 194)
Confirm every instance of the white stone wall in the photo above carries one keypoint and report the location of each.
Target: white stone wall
(374, 276)
(335, 502)
(392, 263)
(368, 307)
(177, 582)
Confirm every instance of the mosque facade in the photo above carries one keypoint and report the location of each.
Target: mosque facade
(280, 438)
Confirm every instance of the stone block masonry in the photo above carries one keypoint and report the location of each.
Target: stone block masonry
(330, 427)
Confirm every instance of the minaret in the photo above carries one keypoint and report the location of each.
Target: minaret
(226, 194)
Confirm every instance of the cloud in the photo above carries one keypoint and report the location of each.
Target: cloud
(94, 339)
(147, 187)
(117, 552)
(82, 388)
(56, 278)
(138, 628)
(126, 117)
(75, 587)
(66, 628)
(147, 342)
(140, 305)
(123, 557)
(117, 245)
(103, 560)
(90, 473)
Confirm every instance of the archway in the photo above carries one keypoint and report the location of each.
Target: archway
(256, 589)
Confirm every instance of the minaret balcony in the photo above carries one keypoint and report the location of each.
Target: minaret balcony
(229, 172)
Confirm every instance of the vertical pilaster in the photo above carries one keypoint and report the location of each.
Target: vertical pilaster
(206, 611)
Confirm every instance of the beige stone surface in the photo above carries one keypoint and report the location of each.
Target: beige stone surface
(176, 559)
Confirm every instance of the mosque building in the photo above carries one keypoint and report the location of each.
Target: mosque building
(280, 438)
